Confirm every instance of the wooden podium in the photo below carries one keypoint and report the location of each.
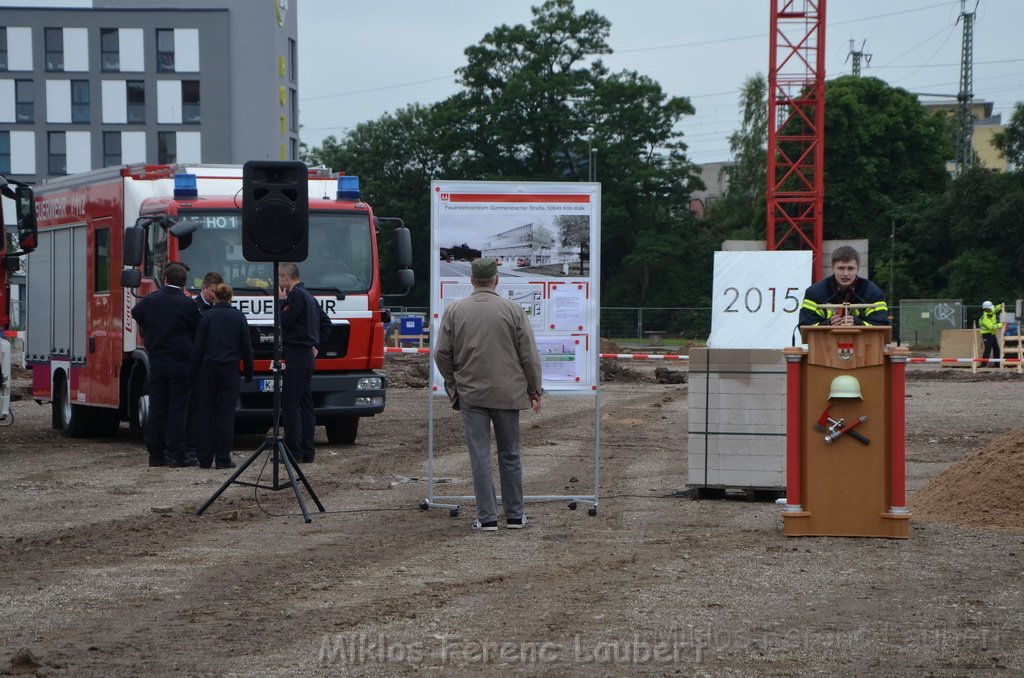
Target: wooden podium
(846, 487)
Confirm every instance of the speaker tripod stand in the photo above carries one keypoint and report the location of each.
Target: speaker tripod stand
(273, 444)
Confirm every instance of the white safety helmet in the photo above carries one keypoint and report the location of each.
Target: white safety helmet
(986, 305)
(845, 386)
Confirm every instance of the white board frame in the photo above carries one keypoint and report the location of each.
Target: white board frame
(564, 305)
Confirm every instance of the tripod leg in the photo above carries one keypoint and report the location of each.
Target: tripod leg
(290, 468)
(302, 477)
(234, 476)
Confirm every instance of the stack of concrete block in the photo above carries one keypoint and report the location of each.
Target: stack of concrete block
(737, 418)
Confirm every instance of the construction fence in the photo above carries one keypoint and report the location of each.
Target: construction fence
(916, 322)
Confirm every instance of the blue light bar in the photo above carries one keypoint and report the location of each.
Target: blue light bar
(185, 186)
(348, 188)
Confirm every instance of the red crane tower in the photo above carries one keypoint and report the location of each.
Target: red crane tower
(796, 127)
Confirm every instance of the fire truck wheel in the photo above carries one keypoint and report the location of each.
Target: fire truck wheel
(71, 417)
(138, 400)
(343, 430)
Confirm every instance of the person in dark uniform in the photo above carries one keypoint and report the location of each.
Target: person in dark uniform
(207, 296)
(204, 301)
(222, 340)
(168, 321)
(844, 286)
(300, 336)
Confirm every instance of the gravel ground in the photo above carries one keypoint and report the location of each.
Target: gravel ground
(105, 571)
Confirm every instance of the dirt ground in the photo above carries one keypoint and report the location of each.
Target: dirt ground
(105, 571)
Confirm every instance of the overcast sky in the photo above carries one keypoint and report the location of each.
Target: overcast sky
(360, 60)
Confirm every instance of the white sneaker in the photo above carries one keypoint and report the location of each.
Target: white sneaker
(516, 523)
(491, 526)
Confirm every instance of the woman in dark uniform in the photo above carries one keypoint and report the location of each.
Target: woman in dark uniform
(222, 340)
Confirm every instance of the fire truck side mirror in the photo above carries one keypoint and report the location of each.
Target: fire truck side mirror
(403, 247)
(134, 245)
(131, 278)
(403, 256)
(25, 210)
(183, 228)
(12, 263)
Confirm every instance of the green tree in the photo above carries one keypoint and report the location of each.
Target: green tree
(966, 242)
(531, 93)
(645, 176)
(882, 150)
(1010, 141)
(522, 87)
(749, 146)
(741, 213)
(395, 157)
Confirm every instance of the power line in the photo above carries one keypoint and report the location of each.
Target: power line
(719, 41)
(377, 89)
(626, 51)
(945, 29)
(976, 63)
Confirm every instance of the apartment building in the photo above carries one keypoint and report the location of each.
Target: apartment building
(92, 83)
(986, 125)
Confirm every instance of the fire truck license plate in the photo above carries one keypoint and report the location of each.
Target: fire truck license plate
(266, 385)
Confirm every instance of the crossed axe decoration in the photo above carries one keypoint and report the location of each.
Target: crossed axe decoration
(837, 427)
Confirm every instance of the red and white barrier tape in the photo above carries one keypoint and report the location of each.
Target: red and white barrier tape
(671, 356)
(1008, 361)
(644, 356)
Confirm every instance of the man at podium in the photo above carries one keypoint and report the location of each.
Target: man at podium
(844, 287)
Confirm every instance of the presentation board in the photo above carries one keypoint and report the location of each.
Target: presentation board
(545, 238)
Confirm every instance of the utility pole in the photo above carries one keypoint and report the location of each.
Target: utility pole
(965, 118)
(857, 55)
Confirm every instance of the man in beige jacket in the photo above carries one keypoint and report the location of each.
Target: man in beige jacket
(488, 357)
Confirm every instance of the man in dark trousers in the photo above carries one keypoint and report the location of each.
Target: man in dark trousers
(168, 321)
(222, 341)
(204, 301)
(844, 286)
(300, 334)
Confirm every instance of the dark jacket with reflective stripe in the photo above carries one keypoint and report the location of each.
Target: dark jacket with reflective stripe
(826, 291)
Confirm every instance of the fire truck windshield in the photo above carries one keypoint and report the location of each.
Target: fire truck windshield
(340, 254)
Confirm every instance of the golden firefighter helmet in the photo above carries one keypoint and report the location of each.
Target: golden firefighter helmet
(845, 386)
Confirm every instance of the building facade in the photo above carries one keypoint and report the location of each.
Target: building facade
(86, 84)
(986, 125)
(527, 245)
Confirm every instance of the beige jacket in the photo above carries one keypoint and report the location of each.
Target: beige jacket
(486, 350)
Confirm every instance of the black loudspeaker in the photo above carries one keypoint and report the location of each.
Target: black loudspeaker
(275, 210)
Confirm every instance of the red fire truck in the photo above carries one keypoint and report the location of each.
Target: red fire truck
(85, 350)
(23, 211)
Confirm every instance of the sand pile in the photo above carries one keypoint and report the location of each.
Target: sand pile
(985, 489)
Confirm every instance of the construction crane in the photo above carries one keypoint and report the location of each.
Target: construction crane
(796, 127)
